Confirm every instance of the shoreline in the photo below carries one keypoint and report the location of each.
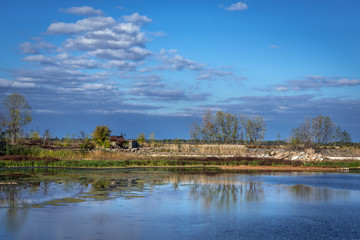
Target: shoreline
(286, 168)
(230, 168)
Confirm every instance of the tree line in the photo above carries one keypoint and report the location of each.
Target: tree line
(223, 127)
(219, 127)
(319, 130)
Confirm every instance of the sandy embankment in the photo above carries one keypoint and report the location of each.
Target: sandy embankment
(285, 168)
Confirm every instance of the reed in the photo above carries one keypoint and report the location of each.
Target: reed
(204, 149)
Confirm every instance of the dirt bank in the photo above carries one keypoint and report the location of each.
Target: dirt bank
(285, 168)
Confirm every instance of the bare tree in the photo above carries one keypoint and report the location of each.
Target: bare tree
(323, 129)
(195, 132)
(83, 135)
(243, 119)
(208, 130)
(320, 130)
(46, 136)
(17, 115)
(255, 128)
(342, 136)
(227, 127)
(303, 133)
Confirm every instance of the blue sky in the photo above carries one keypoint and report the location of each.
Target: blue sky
(143, 66)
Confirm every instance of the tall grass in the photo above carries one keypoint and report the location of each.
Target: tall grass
(206, 149)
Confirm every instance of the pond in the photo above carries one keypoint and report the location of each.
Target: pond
(177, 204)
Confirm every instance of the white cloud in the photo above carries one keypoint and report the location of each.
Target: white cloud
(239, 6)
(35, 48)
(28, 48)
(176, 62)
(134, 54)
(34, 58)
(84, 10)
(16, 84)
(313, 83)
(128, 28)
(120, 36)
(137, 19)
(121, 65)
(97, 86)
(96, 58)
(87, 24)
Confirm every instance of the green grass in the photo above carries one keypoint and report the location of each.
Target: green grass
(38, 157)
(161, 162)
(334, 164)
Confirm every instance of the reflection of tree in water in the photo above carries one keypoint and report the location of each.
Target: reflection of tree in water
(221, 190)
(222, 195)
(254, 192)
(315, 193)
(9, 197)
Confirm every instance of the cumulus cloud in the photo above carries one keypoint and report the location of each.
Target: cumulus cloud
(37, 47)
(87, 24)
(314, 83)
(122, 65)
(84, 10)
(28, 48)
(137, 19)
(239, 6)
(172, 61)
(125, 36)
(134, 54)
(97, 57)
(179, 63)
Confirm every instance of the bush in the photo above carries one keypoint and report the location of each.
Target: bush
(22, 150)
(86, 145)
(101, 134)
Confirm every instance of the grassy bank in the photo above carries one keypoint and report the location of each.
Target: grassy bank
(28, 161)
(34, 156)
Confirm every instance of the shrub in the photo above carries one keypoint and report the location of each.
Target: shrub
(86, 145)
(101, 134)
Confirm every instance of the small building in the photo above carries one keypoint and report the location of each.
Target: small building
(117, 139)
(133, 144)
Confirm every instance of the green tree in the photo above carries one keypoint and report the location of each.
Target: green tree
(152, 137)
(101, 134)
(17, 115)
(35, 135)
(141, 138)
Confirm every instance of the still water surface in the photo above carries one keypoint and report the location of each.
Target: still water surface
(178, 204)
